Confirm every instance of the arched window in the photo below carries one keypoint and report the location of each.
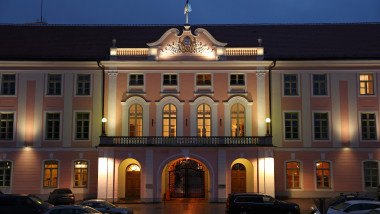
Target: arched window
(169, 120)
(323, 174)
(293, 174)
(133, 168)
(238, 120)
(204, 120)
(135, 120)
(371, 171)
(50, 173)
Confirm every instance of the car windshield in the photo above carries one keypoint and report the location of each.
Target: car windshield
(64, 191)
(109, 204)
(340, 206)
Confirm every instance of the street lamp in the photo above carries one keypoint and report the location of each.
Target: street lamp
(267, 120)
(104, 121)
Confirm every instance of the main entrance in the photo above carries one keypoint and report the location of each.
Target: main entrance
(132, 182)
(186, 179)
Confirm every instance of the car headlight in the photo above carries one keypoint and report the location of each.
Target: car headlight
(296, 207)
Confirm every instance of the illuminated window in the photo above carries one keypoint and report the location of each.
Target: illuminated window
(203, 79)
(135, 120)
(366, 84)
(169, 118)
(52, 125)
(321, 126)
(323, 174)
(204, 120)
(83, 84)
(133, 168)
(371, 174)
(82, 126)
(293, 174)
(237, 79)
(291, 126)
(50, 174)
(54, 84)
(319, 84)
(170, 79)
(8, 84)
(80, 173)
(6, 126)
(290, 84)
(5, 173)
(136, 79)
(238, 120)
(368, 125)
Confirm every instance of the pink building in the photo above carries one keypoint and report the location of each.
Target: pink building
(189, 111)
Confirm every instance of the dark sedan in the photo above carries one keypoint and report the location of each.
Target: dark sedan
(61, 196)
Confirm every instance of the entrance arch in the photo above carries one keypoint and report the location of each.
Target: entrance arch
(129, 179)
(241, 176)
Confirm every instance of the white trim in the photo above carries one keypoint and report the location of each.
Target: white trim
(159, 108)
(143, 86)
(329, 124)
(197, 87)
(75, 125)
(45, 126)
(299, 126)
(214, 115)
(374, 84)
(300, 176)
(125, 114)
(248, 114)
(298, 84)
(46, 190)
(230, 87)
(76, 85)
(360, 126)
(47, 86)
(72, 175)
(327, 84)
(176, 87)
(363, 174)
(16, 84)
(328, 189)
(14, 127)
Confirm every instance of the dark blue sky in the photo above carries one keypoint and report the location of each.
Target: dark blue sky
(204, 11)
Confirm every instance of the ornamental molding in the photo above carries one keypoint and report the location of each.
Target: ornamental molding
(260, 75)
(112, 74)
(187, 45)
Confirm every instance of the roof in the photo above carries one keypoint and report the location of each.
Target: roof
(281, 42)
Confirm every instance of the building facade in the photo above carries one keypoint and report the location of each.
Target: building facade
(189, 111)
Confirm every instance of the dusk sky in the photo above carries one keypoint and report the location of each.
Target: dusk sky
(203, 11)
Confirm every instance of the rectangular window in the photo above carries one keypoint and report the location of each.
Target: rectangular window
(80, 173)
(368, 123)
(237, 79)
(170, 79)
(50, 174)
(54, 84)
(83, 84)
(293, 174)
(291, 84)
(136, 79)
(6, 126)
(319, 84)
(321, 126)
(371, 174)
(323, 174)
(5, 173)
(82, 125)
(366, 84)
(8, 84)
(53, 121)
(291, 126)
(203, 79)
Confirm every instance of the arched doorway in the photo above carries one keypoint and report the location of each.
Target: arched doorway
(186, 179)
(132, 182)
(238, 178)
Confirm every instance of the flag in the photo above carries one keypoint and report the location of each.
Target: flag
(187, 7)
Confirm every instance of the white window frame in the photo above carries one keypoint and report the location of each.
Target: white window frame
(360, 126)
(374, 85)
(16, 85)
(298, 84)
(329, 123)
(327, 84)
(363, 174)
(72, 175)
(331, 188)
(301, 176)
(176, 87)
(60, 126)
(299, 126)
(14, 126)
(75, 125)
(76, 84)
(47, 85)
(231, 87)
(43, 174)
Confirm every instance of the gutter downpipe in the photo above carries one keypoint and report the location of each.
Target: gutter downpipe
(271, 66)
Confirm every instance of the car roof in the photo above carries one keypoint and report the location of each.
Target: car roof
(97, 200)
(362, 201)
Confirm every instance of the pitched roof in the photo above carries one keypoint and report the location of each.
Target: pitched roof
(286, 42)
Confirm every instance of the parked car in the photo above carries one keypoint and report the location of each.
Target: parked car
(354, 206)
(258, 203)
(61, 196)
(105, 206)
(378, 193)
(374, 211)
(337, 200)
(71, 209)
(16, 203)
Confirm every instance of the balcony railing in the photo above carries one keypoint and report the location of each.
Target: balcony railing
(185, 141)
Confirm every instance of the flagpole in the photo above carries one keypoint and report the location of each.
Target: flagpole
(187, 18)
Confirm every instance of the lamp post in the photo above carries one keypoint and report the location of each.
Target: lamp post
(267, 120)
(104, 121)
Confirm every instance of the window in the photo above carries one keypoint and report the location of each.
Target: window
(290, 84)
(371, 172)
(50, 174)
(82, 125)
(319, 84)
(366, 84)
(6, 126)
(54, 84)
(83, 84)
(321, 126)
(136, 79)
(5, 173)
(238, 120)
(80, 173)
(135, 120)
(291, 126)
(204, 121)
(169, 118)
(203, 79)
(293, 174)
(368, 125)
(323, 174)
(170, 79)
(237, 79)
(52, 125)
(8, 84)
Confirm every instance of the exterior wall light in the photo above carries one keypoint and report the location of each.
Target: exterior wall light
(104, 121)
(267, 120)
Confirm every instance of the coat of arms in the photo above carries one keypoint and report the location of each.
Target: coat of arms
(187, 45)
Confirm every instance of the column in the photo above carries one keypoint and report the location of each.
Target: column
(261, 110)
(111, 114)
(222, 194)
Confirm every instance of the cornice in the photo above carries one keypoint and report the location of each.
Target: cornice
(327, 63)
(33, 63)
